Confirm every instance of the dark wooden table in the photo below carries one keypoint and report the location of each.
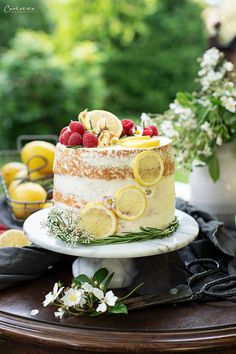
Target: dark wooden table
(193, 328)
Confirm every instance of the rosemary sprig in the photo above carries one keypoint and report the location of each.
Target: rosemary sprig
(64, 226)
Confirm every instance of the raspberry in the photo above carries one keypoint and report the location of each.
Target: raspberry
(63, 130)
(77, 127)
(130, 132)
(154, 129)
(64, 138)
(127, 124)
(90, 140)
(123, 132)
(148, 131)
(75, 139)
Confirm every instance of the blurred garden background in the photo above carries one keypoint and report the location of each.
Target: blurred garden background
(124, 56)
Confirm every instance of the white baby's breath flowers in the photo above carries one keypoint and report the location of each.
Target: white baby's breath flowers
(229, 103)
(183, 112)
(228, 66)
(73, 297)
(210, 57)
(146, 120)
(168, 130)
(52, 295)
(108, 300)
(219, 141)
(206, 151)
(207, 128)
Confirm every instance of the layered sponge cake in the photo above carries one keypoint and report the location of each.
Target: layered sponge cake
(88, 175)
(118, 184)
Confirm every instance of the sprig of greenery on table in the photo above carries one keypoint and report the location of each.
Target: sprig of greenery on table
(201, 121)
(87, 295)
(63, 224)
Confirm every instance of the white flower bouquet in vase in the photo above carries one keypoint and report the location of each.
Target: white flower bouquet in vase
(203, 125)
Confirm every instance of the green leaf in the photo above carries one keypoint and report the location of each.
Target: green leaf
(213, 167)
(100, 275)
(119, 308)
(82, 278)
(183, 99)
(107, 281)
(95, 313)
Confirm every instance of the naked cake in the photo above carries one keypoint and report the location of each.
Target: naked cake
(116, 176)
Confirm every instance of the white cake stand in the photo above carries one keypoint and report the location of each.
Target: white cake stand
(117, 258)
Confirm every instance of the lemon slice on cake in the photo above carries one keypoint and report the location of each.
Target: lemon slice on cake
(135, 138)
(99, 119)
(130, 203)
(139, 142)
(98, 220)
(14, 238)
(148, 168)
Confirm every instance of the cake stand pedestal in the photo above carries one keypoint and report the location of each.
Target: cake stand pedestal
(117, 258)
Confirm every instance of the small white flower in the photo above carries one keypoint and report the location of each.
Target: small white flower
(138, 131)
(59, 313)
(34, 312)
(88, 288)
(229, 103)
(196, 163)
(98, 293)
(168, 129)
(73, 297)
(145, 120)
(50, 297)
(148, 193)
(219, 141)
(228, 66)
(109, 299)
(207, 128)
(210, 57)
(207, 151)
(109, 202)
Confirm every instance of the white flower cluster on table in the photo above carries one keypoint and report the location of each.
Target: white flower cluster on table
(86, 295)
(201, 121)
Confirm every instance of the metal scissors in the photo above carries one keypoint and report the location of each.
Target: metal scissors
(189, 291)
(207, 289)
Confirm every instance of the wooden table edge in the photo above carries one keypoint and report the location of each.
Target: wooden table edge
(20, 329)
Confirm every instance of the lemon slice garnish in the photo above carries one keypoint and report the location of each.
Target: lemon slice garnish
(135, 138)
(148, 168)
(130, 203)
(99, 119)
(98, 220)
(140, 143)
(14, 238)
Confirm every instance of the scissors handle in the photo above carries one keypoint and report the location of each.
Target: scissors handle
(205, 289)
(203, 262)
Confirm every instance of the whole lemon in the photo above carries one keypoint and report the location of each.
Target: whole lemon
(39, 155)
(27, 193)
(10, 169)
(19, 176)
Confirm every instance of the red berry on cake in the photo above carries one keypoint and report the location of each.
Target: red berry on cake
(77, 127)
(75, 139)
(127, 124)
(154, 129)
(124, 133)
(147, 131)
(90, 140)
(64, 138)
(63, 130)
(130, 131)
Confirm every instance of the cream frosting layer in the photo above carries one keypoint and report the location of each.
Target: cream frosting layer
(76, 191)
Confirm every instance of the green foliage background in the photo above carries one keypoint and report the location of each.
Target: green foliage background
(124, 56)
